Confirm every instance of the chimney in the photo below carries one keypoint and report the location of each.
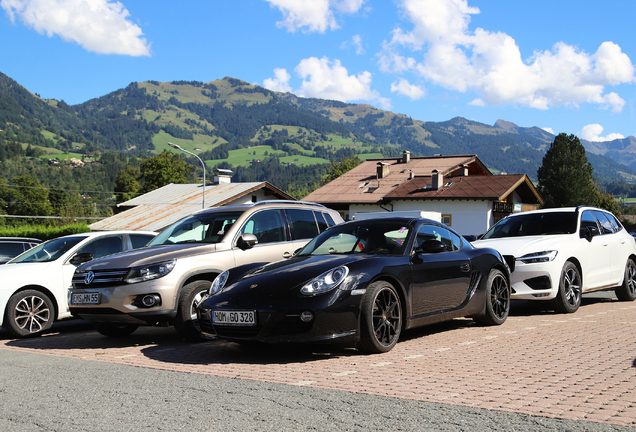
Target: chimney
(438, 180)
(406, 156)
(383, 169)
(222, 176)
(411, 175)
(463, 171)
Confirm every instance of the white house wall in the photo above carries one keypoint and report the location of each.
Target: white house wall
(467, 217)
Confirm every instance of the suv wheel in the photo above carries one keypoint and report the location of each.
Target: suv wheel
(186, 322)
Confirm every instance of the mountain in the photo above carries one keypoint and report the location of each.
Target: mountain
(231, 122)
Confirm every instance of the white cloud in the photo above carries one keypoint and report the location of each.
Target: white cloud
(280, 82)
(313, 15)
(356, 43)
(592, 132)
(101, 26)
(325, 79)
(441, 48)
(405, 88)
(549, 130)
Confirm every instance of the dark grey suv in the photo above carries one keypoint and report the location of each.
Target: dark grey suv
(11, 247)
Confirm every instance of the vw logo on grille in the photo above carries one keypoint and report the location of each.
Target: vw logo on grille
(89, 277)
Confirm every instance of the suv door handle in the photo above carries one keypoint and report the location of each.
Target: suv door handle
(287, 255)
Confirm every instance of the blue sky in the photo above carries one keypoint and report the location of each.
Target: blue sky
(566, 66)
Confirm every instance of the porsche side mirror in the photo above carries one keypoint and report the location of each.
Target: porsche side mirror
(246, 241)
(431, 246)
(81, 258)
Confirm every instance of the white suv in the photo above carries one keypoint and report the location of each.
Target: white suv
(163, 283)
(559, 254)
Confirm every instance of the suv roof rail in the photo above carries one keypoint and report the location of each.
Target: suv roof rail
(287, 202)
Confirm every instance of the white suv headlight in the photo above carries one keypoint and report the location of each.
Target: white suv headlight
(149, 272)
(538, 257)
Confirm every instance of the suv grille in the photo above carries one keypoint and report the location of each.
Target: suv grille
(101, 278)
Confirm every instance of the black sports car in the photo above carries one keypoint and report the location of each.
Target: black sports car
(360, 282)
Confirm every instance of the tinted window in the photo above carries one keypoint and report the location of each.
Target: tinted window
(533, 224)
(140, 240)
(103, 246)
(267, 226)
(330, 220)
(303, 223)
(605, 224)
(434, 232)
(322, 222)
(9, 250)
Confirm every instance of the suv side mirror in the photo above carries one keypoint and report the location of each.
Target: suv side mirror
(431, 246)
(81, 258)
(246, 241)
(591, 232)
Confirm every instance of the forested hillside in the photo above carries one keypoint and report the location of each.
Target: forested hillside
(258, 133)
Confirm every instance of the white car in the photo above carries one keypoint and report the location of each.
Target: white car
(559, 254)
(34, 287)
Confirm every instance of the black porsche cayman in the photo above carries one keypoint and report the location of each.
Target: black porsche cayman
(360, 283)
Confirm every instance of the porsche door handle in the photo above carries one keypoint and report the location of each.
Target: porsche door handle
(465, 267)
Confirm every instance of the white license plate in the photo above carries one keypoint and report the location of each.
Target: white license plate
(247, 318)
(85, 299)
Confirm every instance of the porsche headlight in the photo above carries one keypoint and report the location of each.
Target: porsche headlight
(325, 282)
(538, 257)
(219, 282)
(149, 272)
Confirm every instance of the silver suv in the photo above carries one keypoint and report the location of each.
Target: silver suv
(163, 283)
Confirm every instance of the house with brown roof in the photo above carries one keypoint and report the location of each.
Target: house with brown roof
(469, 197)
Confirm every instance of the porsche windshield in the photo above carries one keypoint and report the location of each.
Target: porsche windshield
(198, 228)
(534, 224)
(48, 251)
(364, 237)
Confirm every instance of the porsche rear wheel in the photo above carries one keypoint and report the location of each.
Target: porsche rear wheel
(627, 291)
(497, 295)
(568, 297)
(381, 318)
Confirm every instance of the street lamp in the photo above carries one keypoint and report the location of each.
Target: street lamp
(178, 147)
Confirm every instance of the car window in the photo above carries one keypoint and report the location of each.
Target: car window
(267, 226)
(587, 221)
(434, 232)
(303, 223)
(140, 240)
(48, 251)
(364, 237)
(205, 228)
(605, 224)
(615, 224)
(534, 224)
(103, 246)
(329, 219)
(322, 222)
(457, 240)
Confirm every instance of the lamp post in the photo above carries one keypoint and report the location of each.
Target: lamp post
(178, 147)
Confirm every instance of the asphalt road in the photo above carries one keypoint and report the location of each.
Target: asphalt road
(40, 392)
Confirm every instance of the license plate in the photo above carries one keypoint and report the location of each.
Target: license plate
(247, 318)
(85, 299)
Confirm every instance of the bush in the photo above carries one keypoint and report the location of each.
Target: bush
(43, 232)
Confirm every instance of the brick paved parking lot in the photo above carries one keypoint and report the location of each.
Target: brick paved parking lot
(578, 367)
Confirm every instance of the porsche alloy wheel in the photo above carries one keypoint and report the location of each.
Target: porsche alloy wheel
(381, 322)
(627, 291)
(568, 297)
(29, 313)
(497, 305)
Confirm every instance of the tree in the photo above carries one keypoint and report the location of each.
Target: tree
(336, 169)
(163, 169)
(29, 198)
(565, 177)
(127, 184)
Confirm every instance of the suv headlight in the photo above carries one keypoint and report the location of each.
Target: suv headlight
(538, 257)
(149, 272)
(219, 282)
(326, 281)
